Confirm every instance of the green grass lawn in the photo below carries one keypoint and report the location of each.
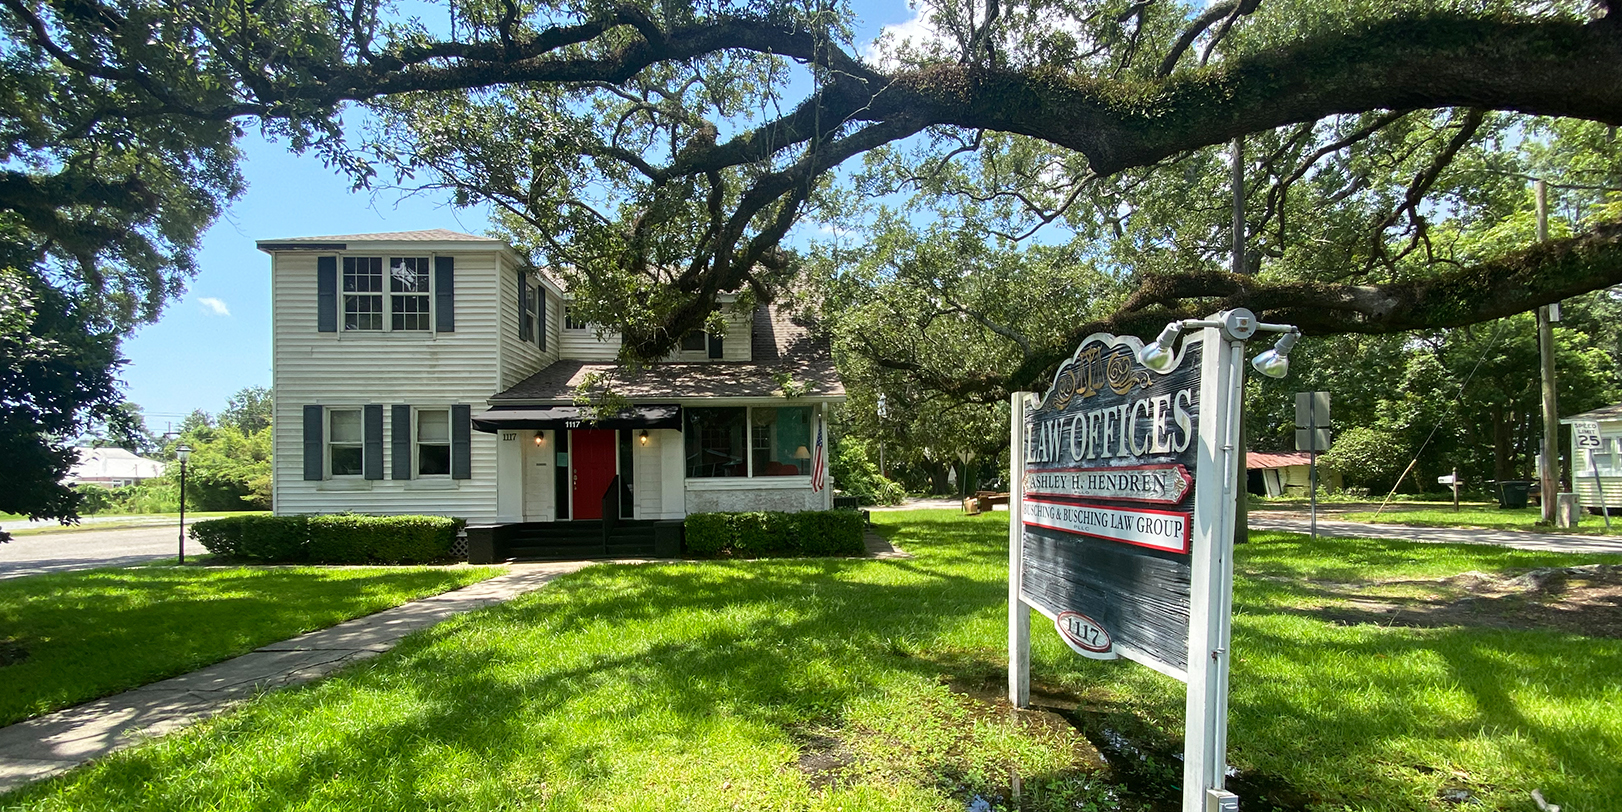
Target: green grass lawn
(863, 685)
(70, 637)
(1486, 516)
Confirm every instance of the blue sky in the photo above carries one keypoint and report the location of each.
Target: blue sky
(216, 340)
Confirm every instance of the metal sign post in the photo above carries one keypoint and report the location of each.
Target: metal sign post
(1311, 413)
(1125, 476)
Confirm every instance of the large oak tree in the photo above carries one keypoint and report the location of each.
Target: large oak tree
(657, 154)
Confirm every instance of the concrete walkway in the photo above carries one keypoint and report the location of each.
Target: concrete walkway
(57, 742)
(1541, 542)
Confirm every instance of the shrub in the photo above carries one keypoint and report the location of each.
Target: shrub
(356, 539)
(258, 538)
(95, 499)
(340, 539)
(857, 475)
(770, 533)
(1367, 457)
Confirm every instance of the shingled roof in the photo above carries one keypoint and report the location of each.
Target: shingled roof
(779, 344)
(1612, 412)
(424, 235)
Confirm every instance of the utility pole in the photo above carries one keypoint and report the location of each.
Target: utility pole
(1549, 471)
(1241, 516)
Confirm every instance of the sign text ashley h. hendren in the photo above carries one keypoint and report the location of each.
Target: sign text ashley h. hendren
(1108, 503)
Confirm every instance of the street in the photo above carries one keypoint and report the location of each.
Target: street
(85, 549)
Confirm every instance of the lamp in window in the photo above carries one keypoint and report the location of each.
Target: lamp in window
(540, 439)
(643, 437)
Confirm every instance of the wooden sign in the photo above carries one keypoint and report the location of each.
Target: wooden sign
(1107, 502)
(1124, 484)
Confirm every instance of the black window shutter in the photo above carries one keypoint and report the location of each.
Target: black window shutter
(540, 317)
(400, 439)
(326, 295)
(461, 442)
(372, 426)
(314, 463)
(715, 345)
(445, 294)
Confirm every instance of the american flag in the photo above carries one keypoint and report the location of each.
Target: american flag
(818, 478)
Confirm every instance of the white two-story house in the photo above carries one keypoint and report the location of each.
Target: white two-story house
(436, 372)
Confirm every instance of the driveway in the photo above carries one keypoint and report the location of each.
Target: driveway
(86, 549)
(1541, 542)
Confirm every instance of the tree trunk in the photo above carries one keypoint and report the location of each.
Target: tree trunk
(1501, 445)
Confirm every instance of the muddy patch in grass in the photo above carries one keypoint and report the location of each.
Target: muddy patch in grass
(1584, 600)
(824, 759)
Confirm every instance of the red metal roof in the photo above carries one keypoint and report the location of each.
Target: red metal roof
(1284, 459)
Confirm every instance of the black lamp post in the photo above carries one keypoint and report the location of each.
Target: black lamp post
(183, 453)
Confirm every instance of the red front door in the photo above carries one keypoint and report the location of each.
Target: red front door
(592, 467)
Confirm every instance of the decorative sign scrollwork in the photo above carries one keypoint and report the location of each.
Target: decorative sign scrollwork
(1124, 375)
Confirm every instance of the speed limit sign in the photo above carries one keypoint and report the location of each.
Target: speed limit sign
(1585, 435)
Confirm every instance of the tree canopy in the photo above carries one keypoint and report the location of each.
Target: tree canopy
(656, 155)
(651, 152)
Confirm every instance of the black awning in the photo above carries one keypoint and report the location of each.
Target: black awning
(499, 418)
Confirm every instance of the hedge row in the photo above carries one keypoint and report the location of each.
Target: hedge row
(339, 539)
(769, 533)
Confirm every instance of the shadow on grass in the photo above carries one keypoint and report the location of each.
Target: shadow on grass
(678, 686)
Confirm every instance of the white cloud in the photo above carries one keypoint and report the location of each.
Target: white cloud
(215, 306)
(917, 30)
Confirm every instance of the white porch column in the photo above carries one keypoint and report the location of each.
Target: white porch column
(673, 470)
(510, 476)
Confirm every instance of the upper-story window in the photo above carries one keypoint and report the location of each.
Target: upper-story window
(571, 321)
(526, 320)
(363, 293)
(408, 293)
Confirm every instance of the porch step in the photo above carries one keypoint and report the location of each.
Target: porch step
(577, 540)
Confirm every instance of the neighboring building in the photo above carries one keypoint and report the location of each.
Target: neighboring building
(1281, 471)
(1606, 460)
(111, 468)
(435, 372)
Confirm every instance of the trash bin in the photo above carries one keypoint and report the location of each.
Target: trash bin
(1512, 493)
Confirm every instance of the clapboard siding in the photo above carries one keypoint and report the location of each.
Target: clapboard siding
(1588, 492)
(519, 359)
(354, 369)
(584, 344)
